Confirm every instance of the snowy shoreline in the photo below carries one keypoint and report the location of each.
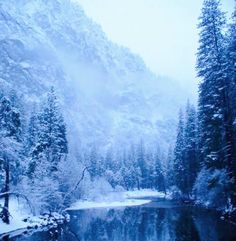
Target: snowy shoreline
(106, 204)
(120, 199)
(115, 199)
(21, 220)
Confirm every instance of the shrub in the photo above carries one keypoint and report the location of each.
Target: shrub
(211, 188)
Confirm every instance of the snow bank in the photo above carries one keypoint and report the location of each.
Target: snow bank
(94, 204)
(120, 199)
(18, 213)
(145, 193)
(16, 223)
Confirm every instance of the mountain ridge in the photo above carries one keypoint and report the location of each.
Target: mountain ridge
(108, 94)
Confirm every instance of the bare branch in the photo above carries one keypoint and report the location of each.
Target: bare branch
(76, 185)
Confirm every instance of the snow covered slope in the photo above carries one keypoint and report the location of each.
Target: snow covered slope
(108, 94)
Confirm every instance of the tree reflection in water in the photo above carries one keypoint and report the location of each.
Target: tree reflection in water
(141, 223)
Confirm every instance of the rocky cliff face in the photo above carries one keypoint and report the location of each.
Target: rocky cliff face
(109, 97)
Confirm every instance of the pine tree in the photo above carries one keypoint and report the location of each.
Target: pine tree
(185, 160)
(48, 147)
(95, 168)
(142, 165)
(52, 141)
(10, 139)
(231, 50)
(179, 164)
(159, 180)
(31, 142)
(169, 169)
(130, 171)
(212, 92)
(215, 114)
(133, 174)
(152, 170)
(191, 152)
(231, 58)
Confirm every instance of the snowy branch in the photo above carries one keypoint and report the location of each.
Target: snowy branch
(76, 185)
(2, 195)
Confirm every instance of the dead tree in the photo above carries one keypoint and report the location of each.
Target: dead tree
(74, 188)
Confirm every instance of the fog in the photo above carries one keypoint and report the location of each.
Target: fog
(164, 33)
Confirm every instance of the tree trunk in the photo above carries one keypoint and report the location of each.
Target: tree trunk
(5, 212)
(138, 183)
(229, 143)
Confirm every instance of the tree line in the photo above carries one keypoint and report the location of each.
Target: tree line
(204, 159)
(35, 163)
(136, 167)
(31, 152)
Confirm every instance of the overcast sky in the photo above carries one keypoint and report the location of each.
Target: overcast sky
(163, 32)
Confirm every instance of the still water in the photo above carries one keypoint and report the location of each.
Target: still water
(160, 220)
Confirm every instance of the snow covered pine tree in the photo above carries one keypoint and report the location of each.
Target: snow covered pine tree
(215, 115)
(10, 142)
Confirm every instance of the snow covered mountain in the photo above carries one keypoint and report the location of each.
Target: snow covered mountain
(109, 96)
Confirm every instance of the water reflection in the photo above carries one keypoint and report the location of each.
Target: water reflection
(150, 223)
(153, 222)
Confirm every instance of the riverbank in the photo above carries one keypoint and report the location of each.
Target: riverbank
(88, 220)
(21, 218)
(160, 220)
(226, 213)
(120, 199)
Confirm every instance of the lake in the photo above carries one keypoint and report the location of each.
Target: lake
(160, 220)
